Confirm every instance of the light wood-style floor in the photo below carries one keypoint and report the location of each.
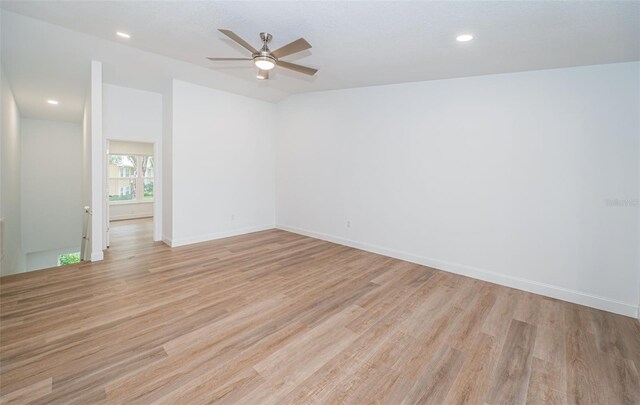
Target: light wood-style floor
(274, 317)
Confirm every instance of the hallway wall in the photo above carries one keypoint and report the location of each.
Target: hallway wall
(51, 188)
(12, 256)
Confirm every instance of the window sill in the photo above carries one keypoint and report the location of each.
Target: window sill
(130, 202)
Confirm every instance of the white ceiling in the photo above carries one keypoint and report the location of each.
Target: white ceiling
(354, 43)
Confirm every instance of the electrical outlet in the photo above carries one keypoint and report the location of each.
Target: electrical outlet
(233, 217)
(348, 224)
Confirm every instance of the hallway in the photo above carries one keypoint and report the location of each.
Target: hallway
(131, 232)
(130, 236)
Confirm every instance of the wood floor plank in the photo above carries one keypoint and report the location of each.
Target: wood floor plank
(472, 320)
(275, 317)
(29, 393)
(436, 379)
(623, 381)
(582, 373)
(511, 377)
(289, 366)
(499, 318)
(471, 385)
(546, 385)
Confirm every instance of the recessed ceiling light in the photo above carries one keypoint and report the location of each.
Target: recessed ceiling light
(54, 102)
(123, 34)
(464, 38)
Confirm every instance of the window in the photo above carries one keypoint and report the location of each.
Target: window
(126, 171)
(147, 177)
(130, 178)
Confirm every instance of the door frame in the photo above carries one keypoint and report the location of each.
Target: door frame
(157, 186)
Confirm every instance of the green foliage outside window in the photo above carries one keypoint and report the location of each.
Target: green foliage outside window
(68, 258)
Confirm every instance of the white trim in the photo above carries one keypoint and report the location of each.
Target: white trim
(157, 189)
(97, 256)
(216, 235)
(2, 239)
(166, 240)
(98, 202)
(122, 217)
(130, 202)
(535, 287)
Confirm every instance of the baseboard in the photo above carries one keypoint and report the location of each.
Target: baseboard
(97, 256)
(547, 290)
(217, 235)
(166, 240)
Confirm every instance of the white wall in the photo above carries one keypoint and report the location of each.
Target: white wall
(51, 187)
(223, 173)
(131, 114)
(118, 212)
(131, 148)
(503, 177)
(136, 115)
(12, 256)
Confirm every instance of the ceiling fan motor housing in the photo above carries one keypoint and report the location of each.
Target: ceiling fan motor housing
(264, 52)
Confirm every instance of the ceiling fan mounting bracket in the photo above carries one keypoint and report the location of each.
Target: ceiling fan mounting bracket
(265, 37)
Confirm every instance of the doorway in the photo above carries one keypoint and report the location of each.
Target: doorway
(131, 191)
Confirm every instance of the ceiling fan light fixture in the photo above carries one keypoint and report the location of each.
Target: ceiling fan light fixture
(264, 62)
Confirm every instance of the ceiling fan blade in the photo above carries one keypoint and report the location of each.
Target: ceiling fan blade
(295, 46)
(239, 40)
(298, 68)
(262, 74)
(218, 59)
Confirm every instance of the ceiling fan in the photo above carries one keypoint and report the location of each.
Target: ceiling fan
(266, 59)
